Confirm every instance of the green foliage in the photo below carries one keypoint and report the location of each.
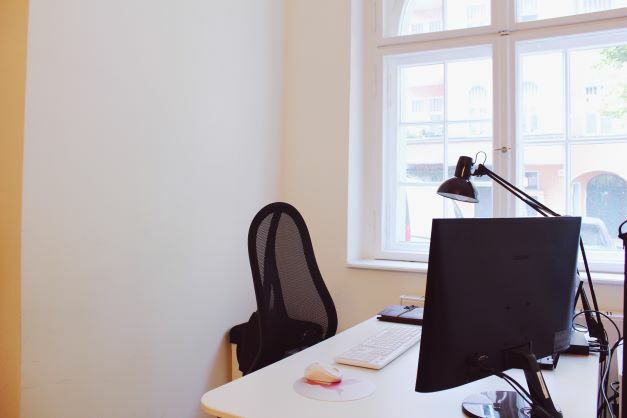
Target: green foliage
(614, 58)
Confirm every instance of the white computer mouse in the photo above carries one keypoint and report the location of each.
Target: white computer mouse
(323, 373)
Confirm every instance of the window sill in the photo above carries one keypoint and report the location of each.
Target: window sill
(389, 265)
(615, 279)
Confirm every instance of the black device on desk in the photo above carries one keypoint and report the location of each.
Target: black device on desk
(403, 314)
(500, 293)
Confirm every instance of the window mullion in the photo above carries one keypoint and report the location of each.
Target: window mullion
(503, 14)
(567, 132)
(445, 128)
(392, 104)
(503, 113)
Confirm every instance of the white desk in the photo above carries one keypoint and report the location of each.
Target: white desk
(268, 392)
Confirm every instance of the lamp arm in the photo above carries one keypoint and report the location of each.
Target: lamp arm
(483, 170)
(518, 193)
(596, 328)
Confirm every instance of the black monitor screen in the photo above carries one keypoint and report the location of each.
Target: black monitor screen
(494, 285)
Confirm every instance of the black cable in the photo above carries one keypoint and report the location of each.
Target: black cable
(603, 387)
(582, 312)
(600, 394)
(533, 405)
(525, 394)
(520, 390)
(606, 366)
(607, 372)
(516, 386)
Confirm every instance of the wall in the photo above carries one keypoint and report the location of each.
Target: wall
(315, 165)
(316, 154)
(13, 31)
(152, 138)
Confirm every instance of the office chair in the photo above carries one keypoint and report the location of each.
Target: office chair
(294, 307)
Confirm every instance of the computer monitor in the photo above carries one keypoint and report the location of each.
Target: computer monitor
(499, 291)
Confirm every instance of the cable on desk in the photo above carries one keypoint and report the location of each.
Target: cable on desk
(600, 313)
(519, 389)
(605, 363)
(605, 376)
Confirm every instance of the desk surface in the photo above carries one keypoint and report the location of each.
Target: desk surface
(268, 392)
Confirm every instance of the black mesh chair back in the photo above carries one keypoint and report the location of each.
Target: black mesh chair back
(294, 307)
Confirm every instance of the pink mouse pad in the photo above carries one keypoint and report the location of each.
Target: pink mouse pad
(349, 389)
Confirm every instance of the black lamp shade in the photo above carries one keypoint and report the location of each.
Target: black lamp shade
(458, 189)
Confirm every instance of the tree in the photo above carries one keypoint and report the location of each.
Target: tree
(614, 58)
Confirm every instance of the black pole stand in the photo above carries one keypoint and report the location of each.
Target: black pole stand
(623, 235)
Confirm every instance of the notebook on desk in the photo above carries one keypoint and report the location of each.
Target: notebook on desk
(402, 314)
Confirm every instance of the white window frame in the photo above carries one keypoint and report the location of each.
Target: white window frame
(501, 35)
(411, 251)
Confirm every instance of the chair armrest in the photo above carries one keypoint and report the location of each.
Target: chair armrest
(236, 334)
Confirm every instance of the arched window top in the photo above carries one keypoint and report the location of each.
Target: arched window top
(411, 17)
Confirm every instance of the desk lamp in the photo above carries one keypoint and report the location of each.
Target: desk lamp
(460, 188)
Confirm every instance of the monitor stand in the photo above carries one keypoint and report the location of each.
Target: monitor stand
(509, 404)
(497, 403)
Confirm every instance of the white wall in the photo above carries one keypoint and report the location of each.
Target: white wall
(316, 154)
(315, 163)
(152, 138)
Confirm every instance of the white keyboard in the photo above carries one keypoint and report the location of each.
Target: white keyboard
(383, 347)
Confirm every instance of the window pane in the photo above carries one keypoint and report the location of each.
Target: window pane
(423, 162)
(419, 202)
(421, 208)
(444, 111)
(544, 171)
(469, 99)
(575, 162)
(598, 91)
(422, 93)
(528, 10)
(599, 175)
(410, 17)
(541, 93)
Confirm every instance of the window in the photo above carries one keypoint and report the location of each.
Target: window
(427, 144)
(559, 130)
